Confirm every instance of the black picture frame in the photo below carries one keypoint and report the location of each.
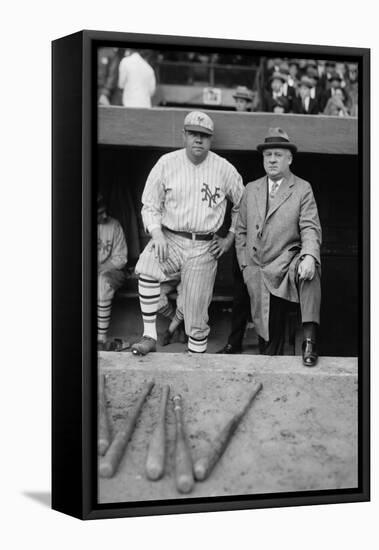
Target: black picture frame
(74, 387)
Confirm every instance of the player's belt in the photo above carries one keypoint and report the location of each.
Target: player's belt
(192, 236)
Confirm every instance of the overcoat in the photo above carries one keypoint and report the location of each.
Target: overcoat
(270, 243)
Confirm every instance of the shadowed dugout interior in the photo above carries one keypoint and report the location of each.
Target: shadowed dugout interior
(123, 169)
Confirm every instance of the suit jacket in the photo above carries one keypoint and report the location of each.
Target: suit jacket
(271, 244)
(268, 102)
(298, 107)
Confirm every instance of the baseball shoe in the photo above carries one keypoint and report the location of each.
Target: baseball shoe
(229, 349)
(144, 346)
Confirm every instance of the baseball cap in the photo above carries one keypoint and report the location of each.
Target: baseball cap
(196, 121)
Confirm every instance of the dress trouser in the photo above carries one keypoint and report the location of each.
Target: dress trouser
(240, 308)
(310, 302)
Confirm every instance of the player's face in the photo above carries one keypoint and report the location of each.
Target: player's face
(276, 162)
(241, 104)
(101, 215)
(197, 145)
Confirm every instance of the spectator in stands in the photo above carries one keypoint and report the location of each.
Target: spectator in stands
(243, 98)
(108, 61)
(136, 79)
(269, 97)
(351, 89)
(288, 91)
(273, 66)
(335, 105)
(334, 84)
(305, 104)
(293, 77)
(280, 105)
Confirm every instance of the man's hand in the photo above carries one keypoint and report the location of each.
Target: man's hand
(219, 245)
(307, 268)
(160, 244)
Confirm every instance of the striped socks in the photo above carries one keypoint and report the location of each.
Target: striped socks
(149, 293)
(103, 319)
(197, 345)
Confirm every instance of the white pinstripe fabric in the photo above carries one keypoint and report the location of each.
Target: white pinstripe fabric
(187, 197)
(198, 272)
(175, 193)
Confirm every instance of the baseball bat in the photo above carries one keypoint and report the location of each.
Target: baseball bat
(183, 461)
(110, 462)
(103, 430)
(157, 448)
(205, 464)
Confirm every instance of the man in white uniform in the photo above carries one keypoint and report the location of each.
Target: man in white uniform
(137, 80)
(184, 204)
(112, 255)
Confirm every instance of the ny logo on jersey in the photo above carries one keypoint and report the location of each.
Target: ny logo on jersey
(208, 194)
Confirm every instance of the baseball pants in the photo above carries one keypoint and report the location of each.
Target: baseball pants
(197, 268)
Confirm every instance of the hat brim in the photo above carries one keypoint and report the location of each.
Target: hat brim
(240, 96)
(276, 77)
(277, 145)
(199, 129)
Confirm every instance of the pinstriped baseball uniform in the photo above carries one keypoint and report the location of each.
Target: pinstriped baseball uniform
(187, 197)
(182, 196)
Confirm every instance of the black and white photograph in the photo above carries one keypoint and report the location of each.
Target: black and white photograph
(228, 192)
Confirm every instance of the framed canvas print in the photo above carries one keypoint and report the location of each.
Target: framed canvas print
(210, 274)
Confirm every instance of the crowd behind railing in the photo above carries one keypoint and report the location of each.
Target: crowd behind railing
(280, 85)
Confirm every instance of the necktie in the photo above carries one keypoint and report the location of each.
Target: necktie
(274, 189)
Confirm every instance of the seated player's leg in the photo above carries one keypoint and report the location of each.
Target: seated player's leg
(198, 277)
(105, 293)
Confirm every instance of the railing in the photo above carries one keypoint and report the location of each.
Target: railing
(207, 74)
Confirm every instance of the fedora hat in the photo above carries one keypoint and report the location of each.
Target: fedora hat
(307, 81)
(279, 76)
(277, 139)
(242, 92)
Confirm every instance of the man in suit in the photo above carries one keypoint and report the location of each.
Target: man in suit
(305, 104)
(270, 98)
(278, 238)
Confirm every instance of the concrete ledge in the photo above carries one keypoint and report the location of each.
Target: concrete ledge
(299, 435)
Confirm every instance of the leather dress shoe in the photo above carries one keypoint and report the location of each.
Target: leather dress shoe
(310, 355)
(229, 349)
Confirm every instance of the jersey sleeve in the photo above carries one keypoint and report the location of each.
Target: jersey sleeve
(234, 192)
(119, 255)
(153, 197)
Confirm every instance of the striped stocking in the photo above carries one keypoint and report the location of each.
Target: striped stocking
(149, 293)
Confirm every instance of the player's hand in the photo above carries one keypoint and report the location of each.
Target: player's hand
(307, 268)
(103, 100)
(219, 246)
(160, 245)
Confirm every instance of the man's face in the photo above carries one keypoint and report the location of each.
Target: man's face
(304, 92)
(241, 104)
(276, 85)
(276, 162)
(102, 215)
(197, 145)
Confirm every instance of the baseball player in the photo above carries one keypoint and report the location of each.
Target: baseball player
(111, 258)
(184, 204)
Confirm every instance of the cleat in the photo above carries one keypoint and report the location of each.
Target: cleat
(144, 346)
